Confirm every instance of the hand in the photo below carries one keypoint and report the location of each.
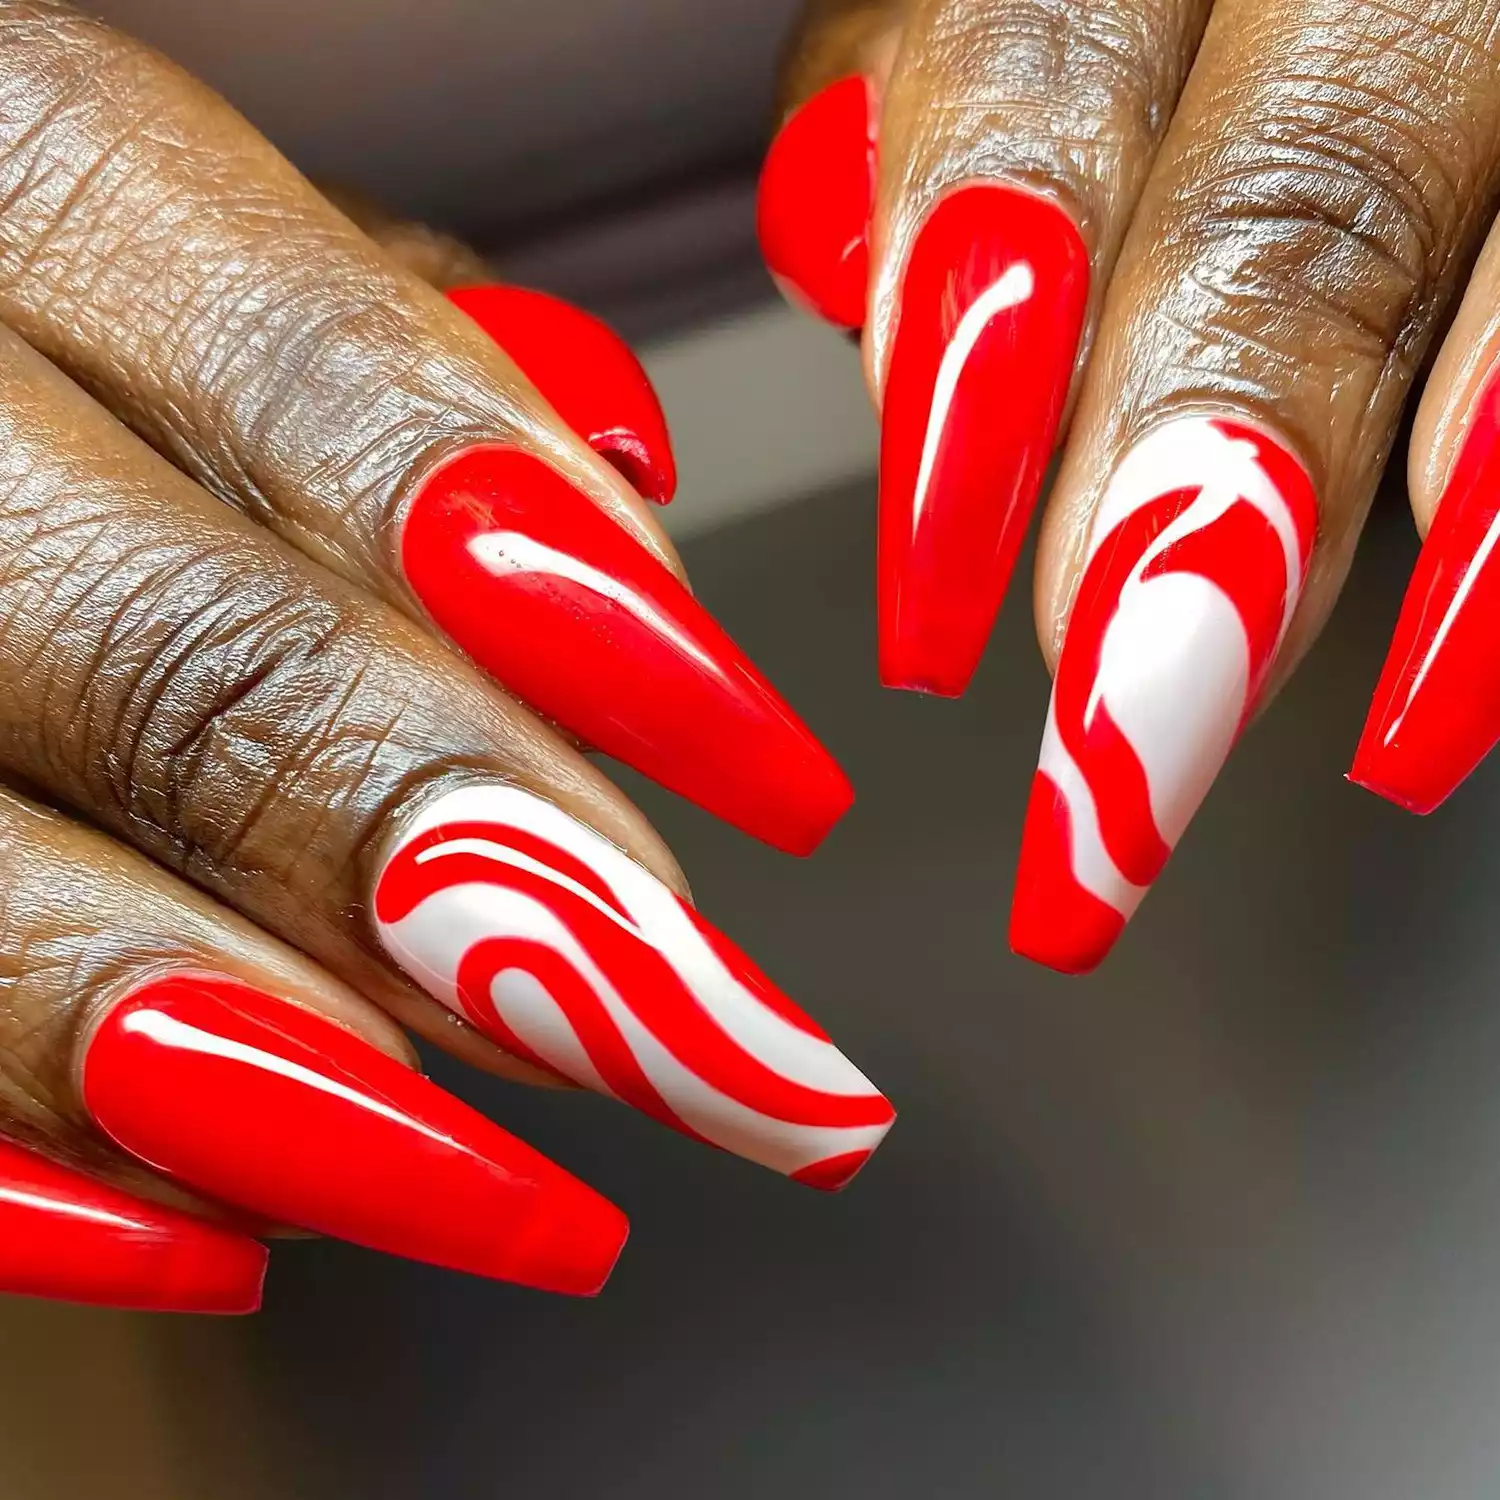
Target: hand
(222, 641)
(1224, 260)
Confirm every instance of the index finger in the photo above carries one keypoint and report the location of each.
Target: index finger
(164, 254)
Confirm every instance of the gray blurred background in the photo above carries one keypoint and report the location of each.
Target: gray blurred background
(1222, 1221)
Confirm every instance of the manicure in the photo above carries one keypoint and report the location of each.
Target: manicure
(267, 1106)
(813, 207)
(588, 374)
(70, 1238)
(987, 329)
(1196, 562)
(570, 955)
(1436, 711)
(573, 615)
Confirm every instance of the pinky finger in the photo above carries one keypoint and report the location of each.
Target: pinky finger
(70, 1238)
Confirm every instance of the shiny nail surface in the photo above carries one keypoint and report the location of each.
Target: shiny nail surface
(269, 1107)
(1436, 711)
(70, 1238)
(813, 208)
(569, 954)
(1196, 562)
(572, 614)
(588, 373)
(988, 323)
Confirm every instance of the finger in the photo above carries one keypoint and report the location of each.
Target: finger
(1322, 182)
(282, 360)
(139, 1016)
(1436, 709)
(817, 186)
(342, 779)
(1014, 141)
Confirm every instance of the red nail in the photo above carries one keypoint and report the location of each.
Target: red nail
(987, 331)
(813, 209)
(571, 613)
(68, 1237)
(565, 951)
(1436, 711)
(588, 373)
(266, 1106)
(1196, 561)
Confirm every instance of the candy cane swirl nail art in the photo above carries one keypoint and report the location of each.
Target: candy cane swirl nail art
(570, 955)
(1196, 561)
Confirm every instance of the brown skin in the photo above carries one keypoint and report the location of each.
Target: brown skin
(205, 687)
(1282, 242)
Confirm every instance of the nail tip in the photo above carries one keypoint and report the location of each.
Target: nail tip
(1369, 778)
(1074, 943)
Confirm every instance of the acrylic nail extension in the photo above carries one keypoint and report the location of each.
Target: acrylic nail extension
(1436, 711)
(588, 373)
(70, 1238)
(813, 208)
(573, 615)
(267, 1106)
(990, 314)
(1196, 561)
(570, 955)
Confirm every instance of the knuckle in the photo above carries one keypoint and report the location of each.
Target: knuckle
(1084, 92)
(1338, 187)
(211, 722)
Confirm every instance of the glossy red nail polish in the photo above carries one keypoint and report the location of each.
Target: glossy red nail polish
(567, 953)
(813, 209)
(987, 331)
(269, 1107)
(1196, 561)
(573, 615)
(70, 1238)
(1436, 711)
(587, 372)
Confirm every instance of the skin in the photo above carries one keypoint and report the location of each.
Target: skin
(244, 692)
(1279, 234)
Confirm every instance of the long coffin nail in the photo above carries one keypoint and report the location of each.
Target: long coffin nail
(1436, 711)
(70, 1238)
(572, 614)
(267, 1106)
(987, 331)
(813, 208)
(587, 372)
(1196, 561)
(570, 955)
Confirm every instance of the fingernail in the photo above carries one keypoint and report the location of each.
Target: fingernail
(588, 374)
(987, 330)
(72, 1239)
(267, 1106)
(573, 615)
(1436, 711)
(1196, 561)
(813, 208)
(567, 953)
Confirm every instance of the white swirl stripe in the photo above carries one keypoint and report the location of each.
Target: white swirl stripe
(516, 916)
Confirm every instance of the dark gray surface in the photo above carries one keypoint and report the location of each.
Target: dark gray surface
(1221, 1221)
